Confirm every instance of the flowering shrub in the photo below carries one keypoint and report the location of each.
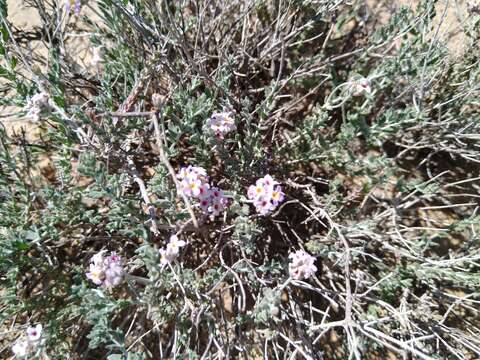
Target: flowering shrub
(206, 142)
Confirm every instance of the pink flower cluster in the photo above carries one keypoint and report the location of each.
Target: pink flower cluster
(214, 202)
(222, 123)
(107, 271)
(23, 347)
(266, 194)
(194, 183)
(170, 253)
(301, 265)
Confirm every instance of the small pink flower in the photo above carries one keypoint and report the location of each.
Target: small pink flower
(260, 190)
(217, 202)
(218, 206)
(34, 333)
(165, 257)
(302, 265)
(204, 191)
(193, 181)
(204, 204)
(195, 188)
(96, 274)
(215, 209)
(113, 257)
(24, 347)
(267, 182)
(217, 193)
(170, 253)
(114, 274)
(277, 195)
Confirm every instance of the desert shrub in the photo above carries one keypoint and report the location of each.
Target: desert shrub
(364, 243)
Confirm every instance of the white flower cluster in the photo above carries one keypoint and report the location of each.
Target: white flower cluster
(23, 347)
(194, 183)
(302, 265)
(107, 271)
(38, 105)
(170, 253)
(221, 123)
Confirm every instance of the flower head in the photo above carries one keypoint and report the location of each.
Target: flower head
(114, 272)
(217, 206)
(106, 270)
(221, 123)
(193, 181)
(301, 265)
(213, 202)
(265, 194)
(34, 333)
(28, 344)
(191, 187)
